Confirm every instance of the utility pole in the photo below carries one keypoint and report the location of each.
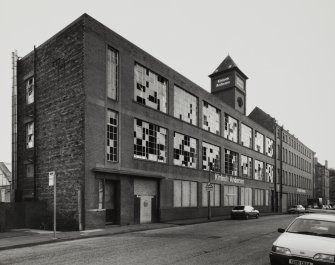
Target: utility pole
(209, 187)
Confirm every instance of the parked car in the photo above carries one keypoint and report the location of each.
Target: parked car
(296, 209)
(309, 239)
(244, 212)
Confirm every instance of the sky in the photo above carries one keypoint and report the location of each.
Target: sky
(286, 48)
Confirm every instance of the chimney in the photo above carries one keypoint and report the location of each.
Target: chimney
(326, 164)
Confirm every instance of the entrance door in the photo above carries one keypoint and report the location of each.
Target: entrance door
(145, 209)
(110, 202)
(284, 203)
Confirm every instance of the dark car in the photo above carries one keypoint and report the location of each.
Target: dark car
(244, 212)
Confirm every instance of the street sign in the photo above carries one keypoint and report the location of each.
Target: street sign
(51, 178)
(209, 187)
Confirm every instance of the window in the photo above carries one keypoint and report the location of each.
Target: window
(246, 166)
(112, 73)
(101, 194)
(230, 195)
(185, 193)
(210, 157)
(185, 150)
(30, 90)
(112, 135)
(259, 197)
(150, 89)
(259, 170)
(215, 195)
(30, 135)
(231, 162)
(30, 170)
(246, 136)
(230, 128)
(185, 106)
(266, 197)
(259, 142)
(268, 147)
(246, 196)
(269, 173)
(211, 118)
(150, 141)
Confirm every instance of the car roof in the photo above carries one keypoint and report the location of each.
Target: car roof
(318, 216)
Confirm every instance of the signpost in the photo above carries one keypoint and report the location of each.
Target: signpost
(52, 182)
(209, 188)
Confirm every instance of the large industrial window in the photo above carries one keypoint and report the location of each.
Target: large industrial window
(210, 157)
(215, 195)
(246, 166)
(30, 135)
(185, 150)
(185, 193)
(210, 118)
(112, 73)
(112, 135)
(259, 197)
(185, 106)
(246, 196)
(246, 136)
(150, 141)
(259, 142)
(230, 128)
(230, 195)
(269, 173)
(268, 147)
(231, 162)
(150, 89)
(30, 90)
(259, 170)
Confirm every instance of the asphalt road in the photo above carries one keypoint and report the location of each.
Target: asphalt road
(238, 242)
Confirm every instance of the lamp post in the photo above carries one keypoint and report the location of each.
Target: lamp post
(209, 195)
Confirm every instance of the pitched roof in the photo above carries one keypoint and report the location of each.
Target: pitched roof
(263, 119)
(5, 171)
(227, 64)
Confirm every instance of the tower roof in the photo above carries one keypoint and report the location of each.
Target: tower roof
(227, 65)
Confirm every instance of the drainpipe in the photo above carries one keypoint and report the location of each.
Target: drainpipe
(35, 146)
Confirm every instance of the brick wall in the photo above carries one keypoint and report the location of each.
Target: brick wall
(58, 113)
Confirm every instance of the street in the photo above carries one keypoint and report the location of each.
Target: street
(223, 242)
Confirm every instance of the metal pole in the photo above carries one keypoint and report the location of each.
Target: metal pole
(54, 205)
(209, 196)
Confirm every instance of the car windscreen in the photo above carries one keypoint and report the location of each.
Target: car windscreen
(239, 208)
(312, 227)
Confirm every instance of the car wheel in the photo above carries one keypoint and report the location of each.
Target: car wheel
(247, 216)
(257, 215)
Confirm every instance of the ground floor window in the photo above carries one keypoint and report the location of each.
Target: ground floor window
(266, 197)
(230, 195)
(259, 197)
(185, 193)
(215, 195)
(246, 196)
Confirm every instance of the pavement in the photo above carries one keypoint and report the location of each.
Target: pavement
(19, 238)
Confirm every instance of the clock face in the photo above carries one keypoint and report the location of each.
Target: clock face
(240, 102)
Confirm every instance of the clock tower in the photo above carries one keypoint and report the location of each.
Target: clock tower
(228, 83)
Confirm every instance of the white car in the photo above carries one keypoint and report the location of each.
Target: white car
(308, 240)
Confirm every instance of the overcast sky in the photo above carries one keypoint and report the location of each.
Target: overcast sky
(286, 48)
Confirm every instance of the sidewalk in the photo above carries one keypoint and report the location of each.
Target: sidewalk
(18, 238)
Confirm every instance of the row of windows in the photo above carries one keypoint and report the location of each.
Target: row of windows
(150, 144)
(295, 180)
(295, 144)
(294, 199)
(150, 89)
(296, 161)
(185, 194)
